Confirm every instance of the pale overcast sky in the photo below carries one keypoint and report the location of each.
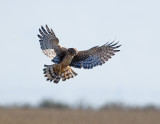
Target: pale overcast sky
(131, 76)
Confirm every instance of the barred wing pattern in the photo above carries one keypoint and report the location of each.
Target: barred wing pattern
(94, 56)
(49, 44)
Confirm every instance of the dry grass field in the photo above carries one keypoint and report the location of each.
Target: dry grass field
(66, 116)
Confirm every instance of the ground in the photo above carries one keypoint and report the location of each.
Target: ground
(67, 116)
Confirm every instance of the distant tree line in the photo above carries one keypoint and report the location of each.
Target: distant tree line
(47, 103)
(52, 104)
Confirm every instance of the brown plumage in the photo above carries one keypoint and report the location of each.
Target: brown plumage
(65, 58)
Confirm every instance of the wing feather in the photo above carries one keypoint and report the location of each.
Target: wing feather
(50, 44)
(95, 56)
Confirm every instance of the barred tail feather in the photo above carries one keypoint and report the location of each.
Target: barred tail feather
(67, 74)
(51, 73)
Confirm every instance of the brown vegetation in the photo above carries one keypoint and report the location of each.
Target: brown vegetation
(69, 116)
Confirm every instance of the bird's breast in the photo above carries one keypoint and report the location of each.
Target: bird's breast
(66, 60)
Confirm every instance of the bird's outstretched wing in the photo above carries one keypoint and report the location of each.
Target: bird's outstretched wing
(50, 44)
(94, 56)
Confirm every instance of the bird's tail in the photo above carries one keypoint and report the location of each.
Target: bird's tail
(53, 73)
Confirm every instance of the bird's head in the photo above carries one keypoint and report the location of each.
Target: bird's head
(73, 51)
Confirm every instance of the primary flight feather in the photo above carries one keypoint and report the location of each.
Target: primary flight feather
(65, 58)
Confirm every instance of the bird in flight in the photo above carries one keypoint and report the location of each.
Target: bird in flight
(65, 58)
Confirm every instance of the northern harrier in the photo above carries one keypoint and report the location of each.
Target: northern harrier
(65, 58)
